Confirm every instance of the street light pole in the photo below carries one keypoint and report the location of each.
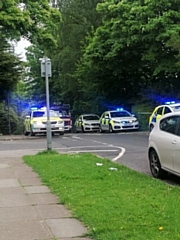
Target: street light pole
(46, 72)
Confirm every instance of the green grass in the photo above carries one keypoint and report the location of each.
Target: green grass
(114, 205)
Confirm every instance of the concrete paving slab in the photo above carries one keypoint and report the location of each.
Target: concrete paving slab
(20, 213)
(22, 167)
(4, 183)
(20, 173)
(19, 153)
(25, 230)
(28, 210)
(31, 181)
(4, 165)
(43, 198)
(36, 189)
(11, 191)
(68, 227)
(14, 200)
(53, 211)
(6, 173)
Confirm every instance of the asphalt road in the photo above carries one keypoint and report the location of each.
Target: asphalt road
(127, 148)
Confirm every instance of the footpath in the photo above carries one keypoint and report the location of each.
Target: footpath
(28, 210)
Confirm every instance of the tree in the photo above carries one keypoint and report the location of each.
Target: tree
(10, 68)
(129, 53)
(78, 18)
(35, 20)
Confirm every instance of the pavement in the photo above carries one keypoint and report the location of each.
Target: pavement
(28, 209)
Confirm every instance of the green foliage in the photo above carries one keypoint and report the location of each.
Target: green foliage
(9, 121)
(143, 110)
(35, 20)
(133, 50)
(10, 68)
(48, 152)
(78, 18)
(121, 204)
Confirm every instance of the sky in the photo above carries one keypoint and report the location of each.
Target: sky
(20, 48)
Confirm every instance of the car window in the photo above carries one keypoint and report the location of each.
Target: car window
(107, 115)
(91, 117)
(167, 110)
(176, 108)
(178, 130)
(120, 114)
(169, 124)
(159, 111)
(36, 114)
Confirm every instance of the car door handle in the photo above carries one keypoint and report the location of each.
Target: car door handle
(174, 142)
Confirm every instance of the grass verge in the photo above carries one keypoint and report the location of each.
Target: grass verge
(113, 204)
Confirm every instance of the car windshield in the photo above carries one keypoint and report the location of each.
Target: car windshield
(91, 117)
(176, 108)
(44, 114)
(120, 114)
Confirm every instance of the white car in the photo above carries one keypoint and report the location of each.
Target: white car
(87, 123)
(113, 121)
(164, 146)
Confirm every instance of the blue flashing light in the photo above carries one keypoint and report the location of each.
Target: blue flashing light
(34, 108)
(43, 108)
(170, 102)
(119, 109)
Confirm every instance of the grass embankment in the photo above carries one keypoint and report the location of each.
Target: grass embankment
(114, 205)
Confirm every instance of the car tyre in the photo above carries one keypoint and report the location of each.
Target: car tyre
(100, 129)
(155, 165)
(31, 133)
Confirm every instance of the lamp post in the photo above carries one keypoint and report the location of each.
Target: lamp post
(46, 72)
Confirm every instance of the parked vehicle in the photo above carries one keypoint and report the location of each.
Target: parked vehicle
(113, 121)
(164, 146)
(36, 122)
(87, 123)
(159, 111)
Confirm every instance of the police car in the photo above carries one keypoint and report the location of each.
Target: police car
(36, 122)
(160, 110)
(87, 123)
(113, 121)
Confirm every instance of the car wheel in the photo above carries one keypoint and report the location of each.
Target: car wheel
(32, 134)
(151, 127)
(100, 129)
(155, 165)
(110, 128)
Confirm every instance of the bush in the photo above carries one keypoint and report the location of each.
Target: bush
(143, 112)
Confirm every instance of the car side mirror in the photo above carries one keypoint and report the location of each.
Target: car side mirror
(27, 117)
(106, 117)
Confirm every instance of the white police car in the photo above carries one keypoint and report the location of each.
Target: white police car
(161, 110)
(118, 120)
